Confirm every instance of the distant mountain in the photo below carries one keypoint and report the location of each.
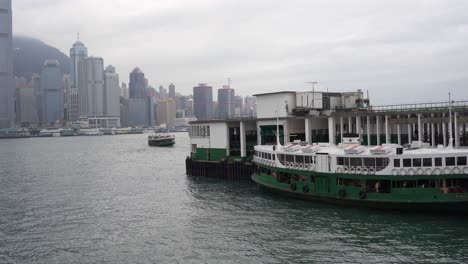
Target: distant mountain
(31, 53)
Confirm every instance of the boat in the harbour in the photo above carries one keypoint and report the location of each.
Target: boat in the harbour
(90, 132)
(49, 132)
(67, 132)
(414, 177)
(161, 140)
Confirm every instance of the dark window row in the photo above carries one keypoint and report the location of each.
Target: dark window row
(370, 162)
(428, 162)
(296, 158)
(264, 155)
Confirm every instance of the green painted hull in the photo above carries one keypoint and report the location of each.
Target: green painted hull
(161, 143)
(327, 191)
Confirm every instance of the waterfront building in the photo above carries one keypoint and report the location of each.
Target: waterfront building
(77, 53)
(203, 102)
(137, 112)
(7, 85)
(166, 112)
(27, 106)
(172, 92)
(137, 86)
(226, 105)
(52, 92)
(111, 93)
(91, 87)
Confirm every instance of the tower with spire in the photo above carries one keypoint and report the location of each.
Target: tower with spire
(77, 52)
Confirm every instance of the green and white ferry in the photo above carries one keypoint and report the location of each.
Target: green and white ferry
(390, 176)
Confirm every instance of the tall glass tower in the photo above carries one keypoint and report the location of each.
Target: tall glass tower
(77, 52)
(7, 102)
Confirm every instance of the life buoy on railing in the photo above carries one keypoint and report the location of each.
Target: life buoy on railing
(465, 170)
(339, 170)
(428, 171)
(456, 170)
(359, 170)
(436, 171)
(301, 166)
(306, 167)
(365, 171)
(410, 172)
(447, 171)
(345, 169)
(420, 171)
(395, 172)
(372, 170)
(352, 170)
(403, 172)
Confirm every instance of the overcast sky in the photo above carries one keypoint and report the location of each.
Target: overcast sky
(401, 51)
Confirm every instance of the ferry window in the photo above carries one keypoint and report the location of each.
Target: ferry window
(450, 161)
(300, 159)
(347, 162)
(289, 158)
(307, 159)
(381, 163)
(396, 163)
(416, 162)
(355, 162)
(406, 163)
(208, 130)
(427, 162)
(438, 162)
(269, 156)
(273, 157)
(340, 161)
(369, 162)
(461, 161)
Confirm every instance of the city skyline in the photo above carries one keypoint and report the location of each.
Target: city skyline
(420, 55)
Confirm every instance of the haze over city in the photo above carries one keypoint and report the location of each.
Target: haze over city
(398, 50)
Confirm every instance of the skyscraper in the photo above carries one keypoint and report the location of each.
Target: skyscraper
(36, 85)
(7, 88)
(124, 90)
(203, 101)
(162, 93)
(111, 93)
(172, 93)
(91, 87)
(137, 88)
(52, 92)
(66, 86)
(226, 104)
(166, 112)
(77, 53)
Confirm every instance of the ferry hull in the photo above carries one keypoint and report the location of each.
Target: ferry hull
(165, 143)
(444, 207)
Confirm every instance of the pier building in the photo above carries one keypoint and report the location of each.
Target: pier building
(329, 117)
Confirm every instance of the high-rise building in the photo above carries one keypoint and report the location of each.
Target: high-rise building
(172, 93)
(77, 53)
(250, 106)
(137, 86)
(166, 112)
(52, 92)
(66, 86)
(111, 93)
(226, 105)
(74, 110)
(238, 105)
(203, 101)
(162, 93)
(35, 83)
(27, 113)
(124, 90)
(7, 85)
(91, 87)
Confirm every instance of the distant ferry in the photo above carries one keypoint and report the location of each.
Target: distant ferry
(50, 132)
(14, 133)
(90, 132)
(161, 140)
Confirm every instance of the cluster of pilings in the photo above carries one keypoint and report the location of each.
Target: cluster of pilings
(226, 170)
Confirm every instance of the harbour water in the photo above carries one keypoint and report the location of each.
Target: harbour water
(113, 199)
